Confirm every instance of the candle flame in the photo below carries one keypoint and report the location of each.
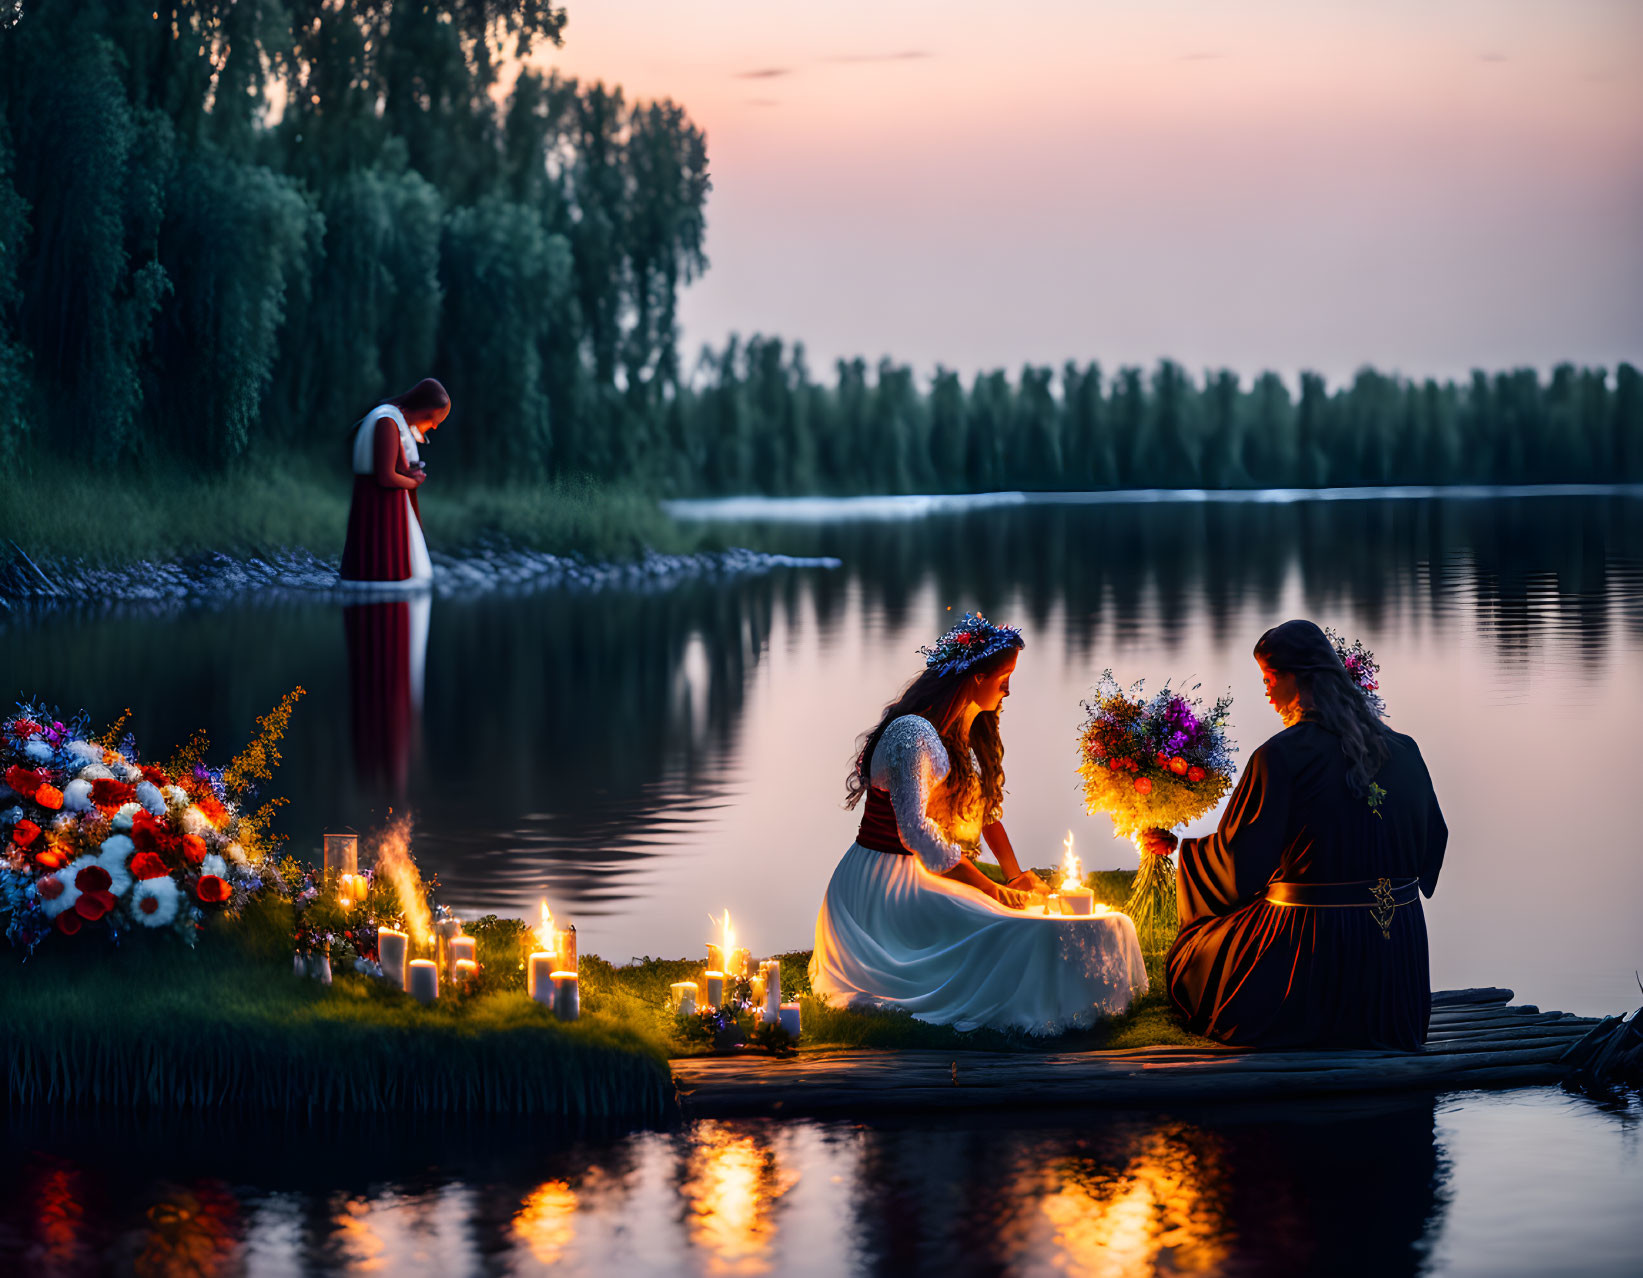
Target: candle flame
(547, 936)
(729, 936)
(394, 861)
(1072, 872)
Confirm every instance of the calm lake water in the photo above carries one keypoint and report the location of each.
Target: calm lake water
(642, 760)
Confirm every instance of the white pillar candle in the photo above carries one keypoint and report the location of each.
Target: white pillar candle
(464, 970)
(391, 948)
(740, 960)
(299, 964)
(758, 990)
(462, 949)
(773, 990)
(679, 991)
(567, 996)
(790, 1019)
(715, 989)
(1078, 900)
(538, 977)
(424, 980)
(319, 967)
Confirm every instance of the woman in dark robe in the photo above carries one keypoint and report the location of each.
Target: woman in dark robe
(1301, 920)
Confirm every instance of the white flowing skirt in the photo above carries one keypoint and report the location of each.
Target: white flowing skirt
(892, 934)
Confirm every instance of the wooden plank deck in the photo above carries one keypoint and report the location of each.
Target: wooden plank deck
(1478, 1039)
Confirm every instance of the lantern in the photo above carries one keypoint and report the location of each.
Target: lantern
(341, 853)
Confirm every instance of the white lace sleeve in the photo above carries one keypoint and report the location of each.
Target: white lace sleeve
(908, 760)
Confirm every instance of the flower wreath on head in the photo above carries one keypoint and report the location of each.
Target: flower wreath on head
(973, 640)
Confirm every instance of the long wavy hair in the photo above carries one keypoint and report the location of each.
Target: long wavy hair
(941, 699)
(1301, 649)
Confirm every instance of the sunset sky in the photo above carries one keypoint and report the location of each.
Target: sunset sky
(1426, 186)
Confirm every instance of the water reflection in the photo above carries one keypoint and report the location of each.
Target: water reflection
(1348, 1188)
(387, 664)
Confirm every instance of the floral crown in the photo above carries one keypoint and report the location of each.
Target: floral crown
(973, 639)
(1361, 668)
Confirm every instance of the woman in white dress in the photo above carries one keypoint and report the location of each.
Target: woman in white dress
(385, 548)
(909, 921)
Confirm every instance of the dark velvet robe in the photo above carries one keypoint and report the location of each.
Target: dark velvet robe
(1249, 972)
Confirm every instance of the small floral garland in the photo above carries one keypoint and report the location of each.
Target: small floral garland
(1361, 668)
(973, 639)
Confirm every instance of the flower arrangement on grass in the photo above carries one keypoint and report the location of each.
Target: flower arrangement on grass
(1153, 762)
(93, 838)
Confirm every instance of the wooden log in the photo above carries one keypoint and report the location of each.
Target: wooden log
(1486, 994)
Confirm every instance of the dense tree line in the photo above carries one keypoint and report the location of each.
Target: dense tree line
(753, 420)
(227, 227)
(225, 220)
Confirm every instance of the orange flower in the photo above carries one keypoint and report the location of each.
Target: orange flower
(1178, 765)
(52, 858)
(213, 808)
(194, 848)
(49, 796)
(1143, 785)
(212, 889)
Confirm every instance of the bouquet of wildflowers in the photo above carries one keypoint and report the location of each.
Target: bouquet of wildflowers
(1153, 762)
(93, 839)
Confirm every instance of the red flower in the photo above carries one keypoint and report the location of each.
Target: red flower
(157, 775)
(1178, 765)
(193, 848)
(109, 794)
(147, 865)
(1195, 774)
(69, 922)
(50, 887)
(51, 858)
(1143, 785)
(49, 796)
(93, 905)
(1162, 759)
(964, 637)
(212, 889)
(23, 729)
(92, 879)
(25, 780)
(151, 834)
(24, 833)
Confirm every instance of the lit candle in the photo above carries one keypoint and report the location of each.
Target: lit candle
(773, 990)
(1075, 897)
(567, 949)
(319, 967)
(424, 980)
(726, 956)
(790, 1019)
(345, 890)
(1079, 900)
(391, 947)
(463, 950)
(466, 969)
(715, 957)
(539, 978)
(758, 989)
(567, 997)
(715, 989)
(681, 993)
(740, 961)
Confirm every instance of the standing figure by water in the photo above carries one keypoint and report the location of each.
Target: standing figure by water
(1301, 922)
(385, 544)
(909, 921)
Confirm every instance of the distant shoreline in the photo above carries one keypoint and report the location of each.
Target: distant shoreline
(920, 505)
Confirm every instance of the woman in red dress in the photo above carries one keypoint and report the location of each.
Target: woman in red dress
(385, 543)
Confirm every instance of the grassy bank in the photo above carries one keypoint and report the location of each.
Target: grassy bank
(228, 1027)
(158, 513)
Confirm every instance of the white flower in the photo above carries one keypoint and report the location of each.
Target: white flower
(85, 750)
(95, 772)
(63, 821)
(148, 794)
(214, 864)
(131, 773)
(196, 822)
(52, 906)
(77, 796)
(122, 818)
(154, 902)
(236, 854)
(175, 795)
(113, 856)
(37, 751)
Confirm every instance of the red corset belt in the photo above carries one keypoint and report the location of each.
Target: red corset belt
(879, 830)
